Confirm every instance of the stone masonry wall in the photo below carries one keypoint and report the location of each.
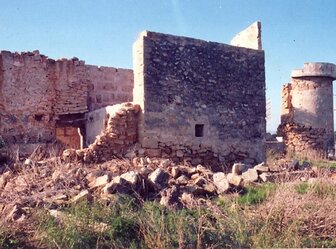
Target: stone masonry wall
(27, 115)
(303, 139)
(200, 100)
(307, 115)
(108, 86)
(69, 79)
(117, 136)
(286, 104)
(35, 90)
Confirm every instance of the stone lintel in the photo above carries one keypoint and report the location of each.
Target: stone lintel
(315, 69)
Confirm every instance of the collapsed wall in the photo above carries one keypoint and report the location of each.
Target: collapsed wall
(39, 94)
(307, 117)
(117, 135)
(200, 100)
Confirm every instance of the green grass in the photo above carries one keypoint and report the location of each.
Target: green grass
(302, 188)
(256, 194)
(321, 189)
(265, 216)
(127, 226)
(88, 226)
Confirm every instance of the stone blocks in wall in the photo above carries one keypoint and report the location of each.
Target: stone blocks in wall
(35, 90)
(307, 118)
(303, 139)
(118, 134)
(108, 86)
(200, 99)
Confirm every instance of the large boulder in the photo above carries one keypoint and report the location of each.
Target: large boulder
(221, 183)
(251, 175)
(132, 178)
(158, 179)
(235, 180)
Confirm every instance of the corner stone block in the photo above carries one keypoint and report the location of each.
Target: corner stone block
(249, 37)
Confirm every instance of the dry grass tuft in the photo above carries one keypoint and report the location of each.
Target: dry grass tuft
(291, 219)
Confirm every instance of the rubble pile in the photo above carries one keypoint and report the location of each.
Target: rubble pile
(118, 134)
(51, 183)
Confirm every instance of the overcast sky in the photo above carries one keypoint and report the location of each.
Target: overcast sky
(101, 32)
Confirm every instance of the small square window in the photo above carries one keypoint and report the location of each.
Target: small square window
(199, 130)
(38, 117)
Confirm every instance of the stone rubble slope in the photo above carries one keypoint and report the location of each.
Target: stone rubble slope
(51, 183)
(119, 133)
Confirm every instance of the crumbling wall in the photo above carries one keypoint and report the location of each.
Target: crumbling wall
(200, 100)
(36, 92)
(97, 121)
(303, 139)
(69, 79)
(286, 103)
(307, 110)
(108, 86)
(28, 100)
(117, 135)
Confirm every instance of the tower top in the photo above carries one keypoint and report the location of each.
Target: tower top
(317, 69)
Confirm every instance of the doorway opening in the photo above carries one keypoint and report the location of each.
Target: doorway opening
(70, 130)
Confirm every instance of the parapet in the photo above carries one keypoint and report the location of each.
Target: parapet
(315, 69)
(249, 37)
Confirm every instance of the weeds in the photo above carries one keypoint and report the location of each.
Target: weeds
(268, 215)
(301, 218)
(271, 215)
(90, 226)
(256, 194)
(302, 188)
(322, 189)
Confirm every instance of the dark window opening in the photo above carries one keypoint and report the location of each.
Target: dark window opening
(38, 117)
(199, 130)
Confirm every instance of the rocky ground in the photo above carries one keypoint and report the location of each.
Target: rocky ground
(54, 182)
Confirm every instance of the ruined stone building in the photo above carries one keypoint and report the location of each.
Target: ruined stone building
(200, 97)
(199, 100)
(42, 100)
(307, 117)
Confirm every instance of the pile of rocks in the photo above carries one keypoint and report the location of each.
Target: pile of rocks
(51, 182)
(119, 133)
